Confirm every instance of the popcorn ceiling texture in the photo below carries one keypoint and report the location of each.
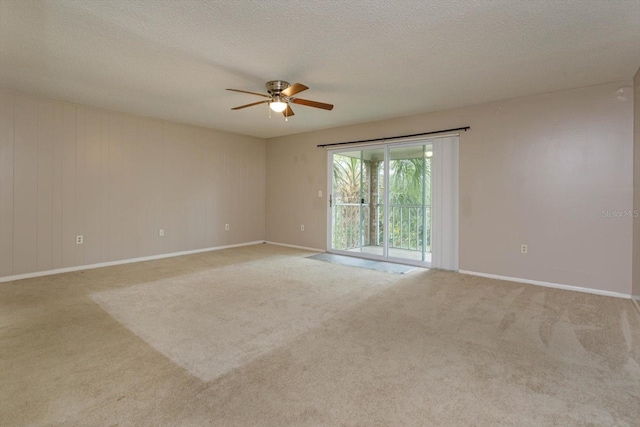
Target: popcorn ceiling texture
(373, 59)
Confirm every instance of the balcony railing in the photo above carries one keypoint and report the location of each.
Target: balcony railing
(353, 226)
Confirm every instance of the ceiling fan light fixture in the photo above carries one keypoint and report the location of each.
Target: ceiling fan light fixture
(278, 105)
(280, 97)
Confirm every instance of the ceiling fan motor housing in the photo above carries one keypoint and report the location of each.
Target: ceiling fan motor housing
(274, 87)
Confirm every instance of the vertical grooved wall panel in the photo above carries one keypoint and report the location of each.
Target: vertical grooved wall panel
(130, 188)
(25, 185)
(81, 183)
(158, 184)
(115, 187)
(68, 185)
(146, 219)
(92, 181)
(116, 179)
(56, 240)
(6, 183)
(45, 185)
(103, 187)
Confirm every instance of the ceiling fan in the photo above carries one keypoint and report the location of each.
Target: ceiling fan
(280, 95)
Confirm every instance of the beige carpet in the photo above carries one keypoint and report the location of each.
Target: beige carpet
(215, 320)
(306, 343)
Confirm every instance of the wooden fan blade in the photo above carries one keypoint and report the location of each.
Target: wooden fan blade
(315, 104)
(250, 105)
(251, 93)
(288, 112)
(293, 89)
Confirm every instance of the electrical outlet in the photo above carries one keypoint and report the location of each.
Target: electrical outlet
(79, 239)
(226, 227)
(302, 228)
(161, 232)
(320, 193)
(524, 249)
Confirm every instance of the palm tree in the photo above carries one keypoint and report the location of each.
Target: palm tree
(409, 189)
(406, 181)
(350, 185)
(347, 177)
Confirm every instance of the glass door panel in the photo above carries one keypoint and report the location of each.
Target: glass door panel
(409, 202)
(357, 214)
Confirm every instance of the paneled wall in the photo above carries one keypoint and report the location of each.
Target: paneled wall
(68, 170)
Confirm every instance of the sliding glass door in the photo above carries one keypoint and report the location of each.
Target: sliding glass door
(383, 202)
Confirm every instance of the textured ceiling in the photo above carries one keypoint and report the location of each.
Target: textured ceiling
(373, 59)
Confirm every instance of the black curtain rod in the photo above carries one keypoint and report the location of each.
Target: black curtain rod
(395, 137)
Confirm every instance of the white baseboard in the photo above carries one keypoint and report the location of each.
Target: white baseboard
(548, 284)
(636, 302)
(296, 246)
(120, 262)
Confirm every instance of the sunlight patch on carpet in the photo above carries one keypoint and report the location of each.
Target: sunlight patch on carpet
(213, 321)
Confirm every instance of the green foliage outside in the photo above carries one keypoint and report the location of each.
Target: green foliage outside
(409, 181)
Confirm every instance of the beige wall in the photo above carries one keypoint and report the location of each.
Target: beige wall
(636, 184)
(117, 179)
(538, 170)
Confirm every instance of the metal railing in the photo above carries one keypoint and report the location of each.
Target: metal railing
(353, 226)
